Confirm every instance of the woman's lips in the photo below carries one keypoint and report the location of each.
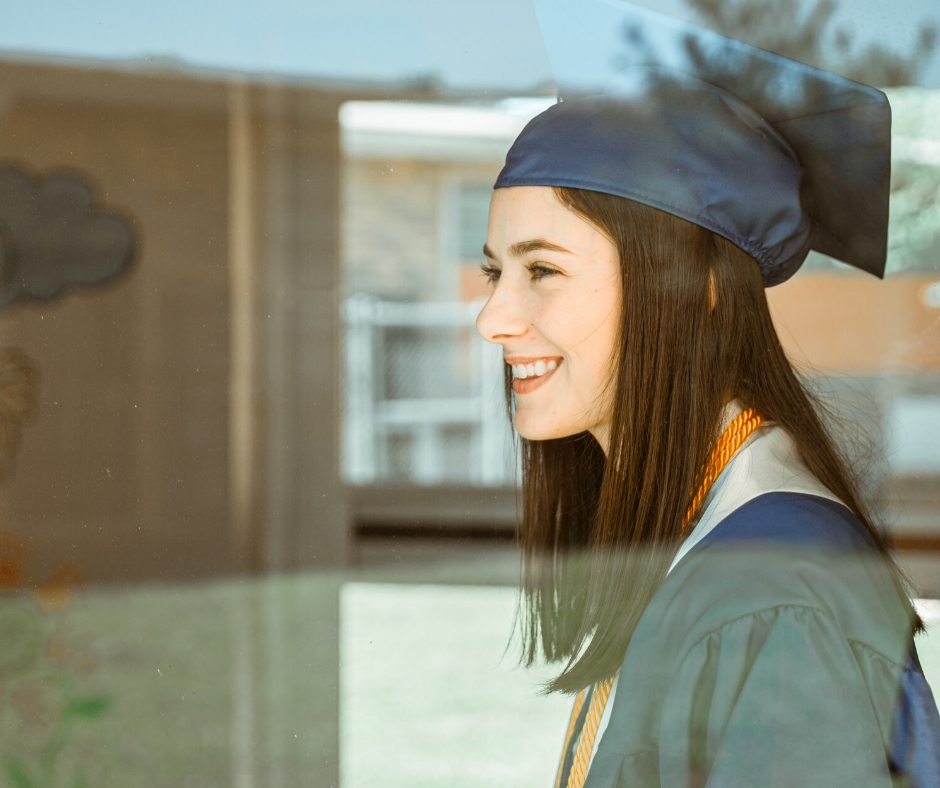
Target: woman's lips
(528, 385)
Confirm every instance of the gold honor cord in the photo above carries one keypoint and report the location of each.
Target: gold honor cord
(578, 705)
(730, 441)
(739, 430)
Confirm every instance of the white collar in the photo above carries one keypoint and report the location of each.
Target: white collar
(769, 461)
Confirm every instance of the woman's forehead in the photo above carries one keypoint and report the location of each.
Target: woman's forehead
(520, 216)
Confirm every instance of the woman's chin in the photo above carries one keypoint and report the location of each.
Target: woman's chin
(541, 426)
(535, 428)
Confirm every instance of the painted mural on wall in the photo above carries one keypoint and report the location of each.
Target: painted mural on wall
(41, 662)
(18, 392)
(55, 237)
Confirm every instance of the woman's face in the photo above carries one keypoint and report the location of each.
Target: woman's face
(555, 309)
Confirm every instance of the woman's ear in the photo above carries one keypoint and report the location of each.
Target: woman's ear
(712, 290)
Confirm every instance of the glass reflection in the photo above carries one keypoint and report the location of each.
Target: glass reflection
(257, 485)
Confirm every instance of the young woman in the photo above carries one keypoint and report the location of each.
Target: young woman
(697, 556)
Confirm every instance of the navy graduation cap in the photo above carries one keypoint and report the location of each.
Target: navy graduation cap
(774, 155)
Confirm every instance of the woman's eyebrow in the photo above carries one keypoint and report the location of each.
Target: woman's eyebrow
(524, 247)
(535, 245)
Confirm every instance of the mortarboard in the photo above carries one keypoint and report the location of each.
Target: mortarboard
(772, 154)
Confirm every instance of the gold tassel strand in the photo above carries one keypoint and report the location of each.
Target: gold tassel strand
(578, 704)
(582, 759)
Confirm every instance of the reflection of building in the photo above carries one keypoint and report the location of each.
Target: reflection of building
(188, 417)
(189, 414)
(172, 400)
(424, 396)
(417, 179)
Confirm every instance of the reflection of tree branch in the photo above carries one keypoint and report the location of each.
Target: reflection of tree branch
(724, 63)
(783, 28)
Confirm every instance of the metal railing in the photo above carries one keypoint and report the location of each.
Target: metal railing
(424, 401)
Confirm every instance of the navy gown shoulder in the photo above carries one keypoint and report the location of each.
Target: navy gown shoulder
(777, 652)
(794, 519)
(824, 525)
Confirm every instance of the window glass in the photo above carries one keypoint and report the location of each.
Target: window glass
(258, 481)
(474, 210)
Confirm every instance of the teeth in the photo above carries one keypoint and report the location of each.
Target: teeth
(539, 368)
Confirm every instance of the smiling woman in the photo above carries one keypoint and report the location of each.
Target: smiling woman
(697, 557)
(556, 312)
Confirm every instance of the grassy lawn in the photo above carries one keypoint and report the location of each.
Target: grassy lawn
(433, 698)
(234, 684)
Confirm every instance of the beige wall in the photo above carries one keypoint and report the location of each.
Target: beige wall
(857, 323)
(127, 454)
(390, 228)
(132, 447)
(127, 468)
(399, 226)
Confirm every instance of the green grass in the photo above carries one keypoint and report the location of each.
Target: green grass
(234, 684)
(431, 697)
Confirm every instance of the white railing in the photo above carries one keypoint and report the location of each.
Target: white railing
(424, 401)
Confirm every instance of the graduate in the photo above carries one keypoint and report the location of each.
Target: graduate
(697, 557)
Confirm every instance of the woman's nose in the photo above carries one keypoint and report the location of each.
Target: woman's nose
(501, 317)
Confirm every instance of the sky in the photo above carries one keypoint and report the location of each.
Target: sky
(465, 44)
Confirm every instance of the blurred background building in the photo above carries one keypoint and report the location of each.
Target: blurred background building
(248, 428)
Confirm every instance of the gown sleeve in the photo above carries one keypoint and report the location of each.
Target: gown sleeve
(776, 699)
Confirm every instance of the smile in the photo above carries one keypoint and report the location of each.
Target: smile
(535, 369)
(531, 375)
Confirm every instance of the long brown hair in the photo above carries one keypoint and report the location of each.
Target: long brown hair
(597, 533)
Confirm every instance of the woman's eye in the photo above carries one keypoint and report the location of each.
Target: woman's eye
(491, 273)
(537, 271)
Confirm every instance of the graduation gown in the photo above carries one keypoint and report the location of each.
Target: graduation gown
(777, 652)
